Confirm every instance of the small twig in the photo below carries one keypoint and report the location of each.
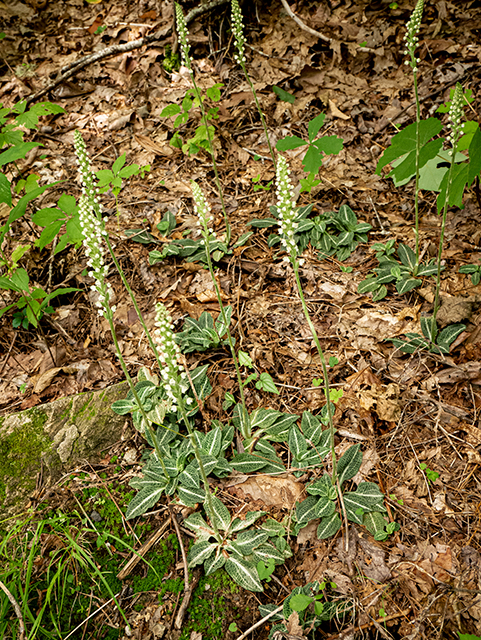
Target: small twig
(303, 26)
(92, 615)
(188, 588)
(116, 49)
(4, 363)
(260, 622)
(123, 573)
(18, 611)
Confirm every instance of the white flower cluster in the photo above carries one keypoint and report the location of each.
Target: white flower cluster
(93, 229)
(173, 374)
(455, 115)
(285, 207)
(203, 211)
(182, 33)
(411, 38)
(238, 31)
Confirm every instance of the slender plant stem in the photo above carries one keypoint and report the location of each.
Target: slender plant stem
(418, 151)
(263, 120)
(441, 242)
(295, 266)
(229, 339)
(211, 149)
(209, 505)
(134, 301)
(131, 384)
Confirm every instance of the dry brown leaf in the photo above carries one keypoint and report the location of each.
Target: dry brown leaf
(278, 491)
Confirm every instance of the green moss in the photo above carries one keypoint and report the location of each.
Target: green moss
(208, 609)
(20, 452)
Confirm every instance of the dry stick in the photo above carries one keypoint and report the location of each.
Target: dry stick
(14, 603)
(70, 70)
(260, 622)
(313, 32)
(188, 588)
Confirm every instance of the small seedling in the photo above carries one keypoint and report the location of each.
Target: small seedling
(233, 627)
(431, 475)
(266, 570)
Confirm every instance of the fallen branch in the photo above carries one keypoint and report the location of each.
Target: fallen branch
(18, 612)
(70, 70)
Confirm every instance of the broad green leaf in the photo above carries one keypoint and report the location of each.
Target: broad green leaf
(297, 442)
(314, 125)
(213, 93)
(474, 157)
(247, 463)
(17, 152)
(250, 518)
(329, 526)
(266, 383)
(284, 95)
(448, 335)
(368, 285)
(323, 487)
(407, 284)
(170, 111)
(190, 496)
(128, 172)
(311, 428)
(143, 501)
(300, 602)
(273, 527)
(244, 573)
(324, 507)
(19, 209)
(200, 552)
(118, 164)
(221, 513)
(266, 552)
(405, 141)
(290, 142)
(312, 161)
(404, 169)
(329, 144)
(407, 256)
(121, 407)
(349, 464)
(5, 190)
(247, 541)
(374, 522)
(213, 441)
(20, 280)
(216, 561)
(48, 234)
(306, 510)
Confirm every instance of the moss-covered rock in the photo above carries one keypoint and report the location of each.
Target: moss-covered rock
(51, 438)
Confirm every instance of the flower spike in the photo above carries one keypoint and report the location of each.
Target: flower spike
(285, 206)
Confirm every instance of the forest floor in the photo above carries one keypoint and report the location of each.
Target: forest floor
(415, 415)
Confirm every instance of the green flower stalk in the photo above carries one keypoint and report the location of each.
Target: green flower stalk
(95, 236)
(205, 220)
(287, 230)
(240, 58)
(176, 384)
(411, 39)
(183, 33)
(455, 115)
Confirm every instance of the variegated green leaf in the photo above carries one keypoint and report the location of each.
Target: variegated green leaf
(248, 540)
(297, 442)
(222, 468)
(281, 426)
(147, 483)
(201, 381)
(311, 428)
(273, 528)
(143, 501)
(247, 463)
(171, 467)
(200, 552)
(213, 441)
(262, 419)
(244, 573)
(217, 561)
(323, 487)
(375, 522)
(324, 507)
(221, 513)
(171, 486)
(306, 510)
(250, 518)
(190, 477)
(313, 457)
(266, 450)
(191, 496)
(329, 526)
(349, 464)
(266, 552)
(203, 531)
